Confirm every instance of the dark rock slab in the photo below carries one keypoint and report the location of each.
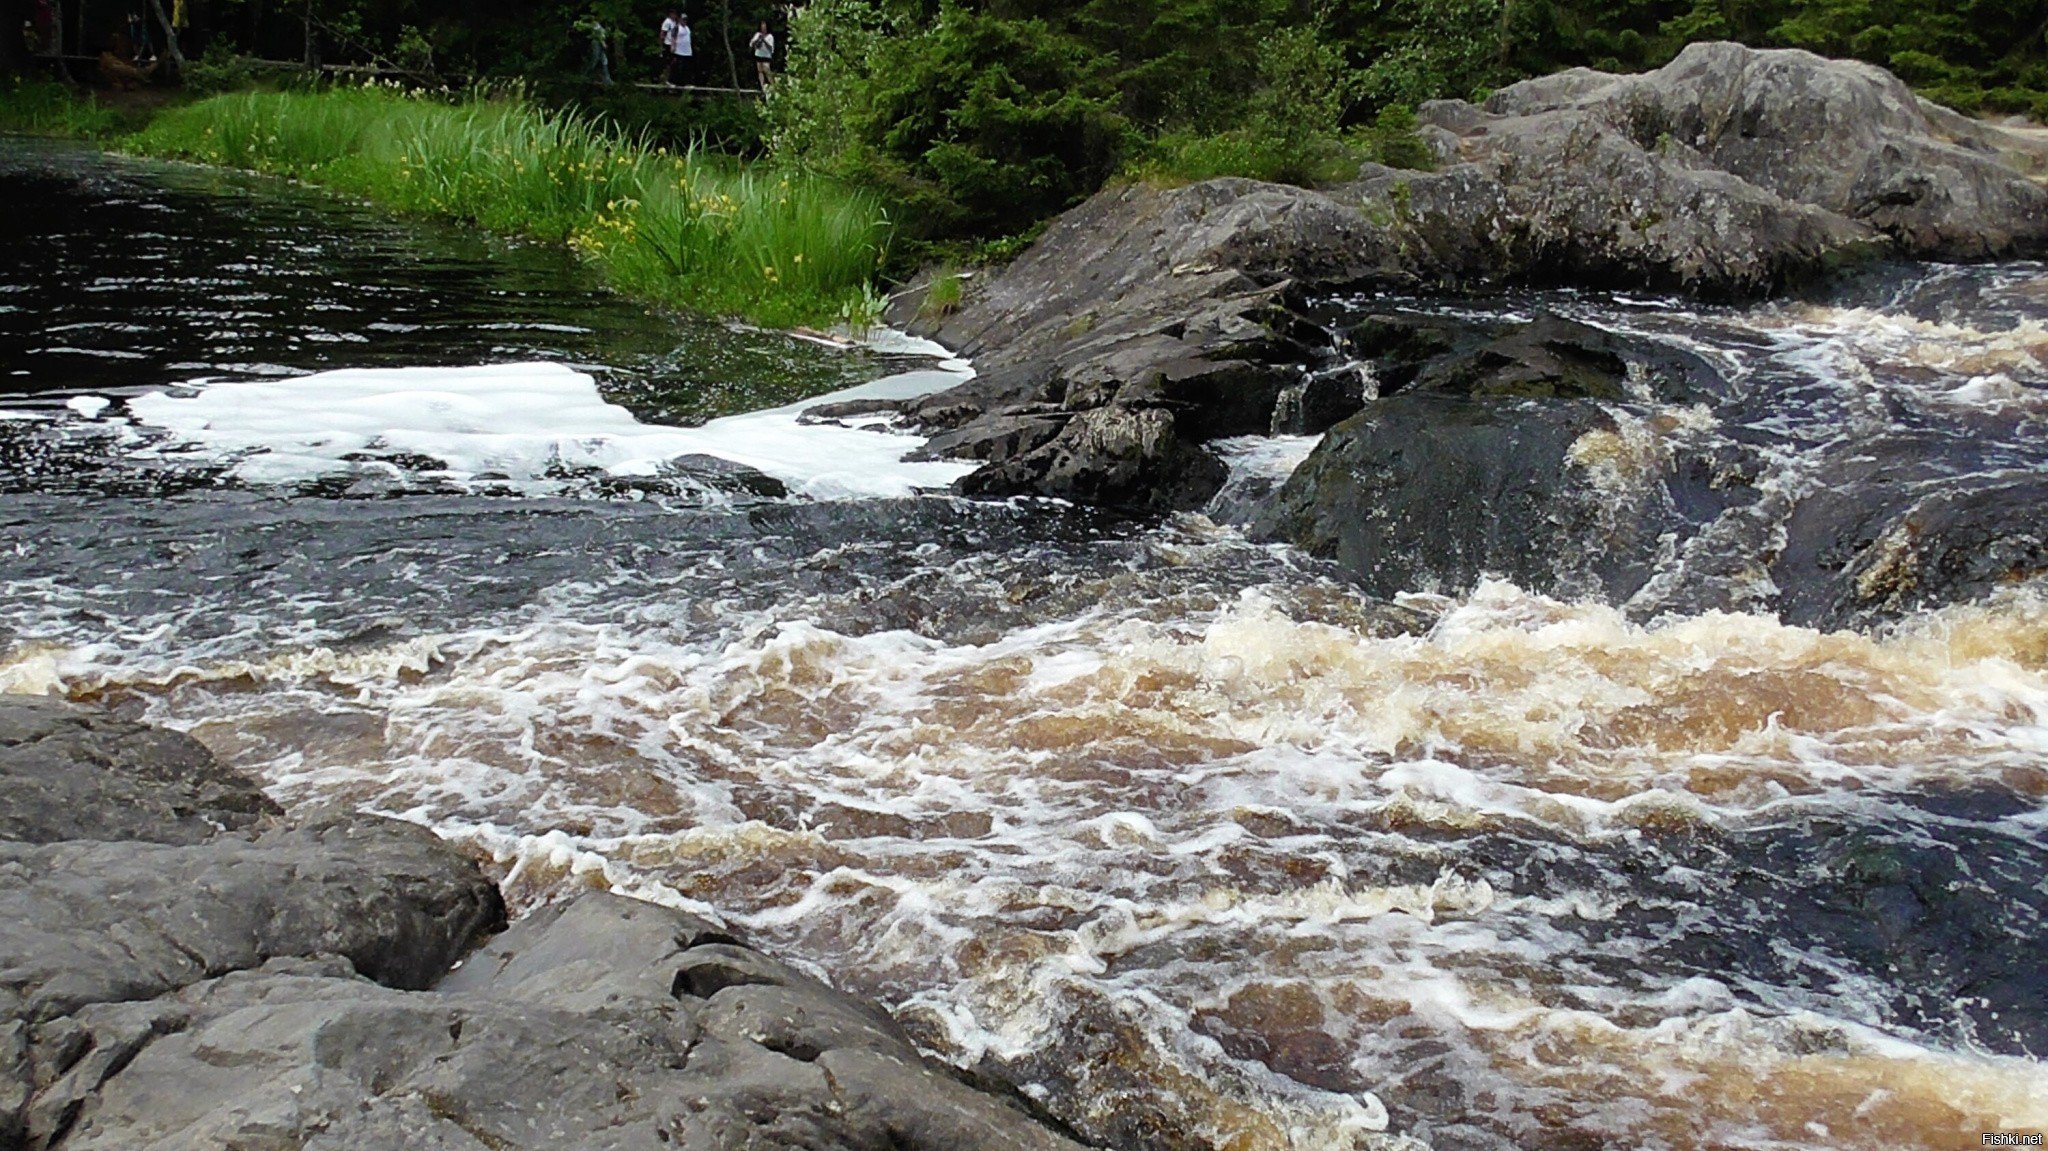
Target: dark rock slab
(71, 773)
(92, 922)
(1425, 492)
(1894, 532)
(580, 1027)
(1115, 456)
(1551, 358)
(1429, 491)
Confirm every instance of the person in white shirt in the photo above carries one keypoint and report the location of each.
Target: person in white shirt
(676, 49)
(763, 45)
(684, 52)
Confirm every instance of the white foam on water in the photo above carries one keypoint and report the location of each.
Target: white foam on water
(1148, 830)
(522, 421)
(1265, 457)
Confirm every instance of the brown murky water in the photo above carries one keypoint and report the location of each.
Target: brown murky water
(1171, 831)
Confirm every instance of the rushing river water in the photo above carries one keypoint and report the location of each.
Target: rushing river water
(1174, 832)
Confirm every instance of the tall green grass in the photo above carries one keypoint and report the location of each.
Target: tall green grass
(692, 231)
(44, 108)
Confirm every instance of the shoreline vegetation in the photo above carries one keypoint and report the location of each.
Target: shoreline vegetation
(690, 230)
(693, 230)
(930, 134)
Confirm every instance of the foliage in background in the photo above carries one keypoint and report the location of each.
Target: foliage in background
(692, 230)
(218, 69)
(42, 108)
(974, 123)
(976, 120)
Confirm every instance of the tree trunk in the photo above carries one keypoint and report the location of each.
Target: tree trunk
(171, 51)
(732, 63)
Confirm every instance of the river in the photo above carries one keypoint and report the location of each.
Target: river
(1174, 832)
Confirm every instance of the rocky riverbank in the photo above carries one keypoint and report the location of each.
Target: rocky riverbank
(186, 966)
(1150, 322)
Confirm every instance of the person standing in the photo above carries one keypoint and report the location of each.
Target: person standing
(763, 45)
(683, 51)
(138, 38)
(599, 64)
(669, 24)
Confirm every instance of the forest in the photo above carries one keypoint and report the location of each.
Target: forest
(976, 120)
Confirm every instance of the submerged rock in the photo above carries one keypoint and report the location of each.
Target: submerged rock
(188, 969)
(1730, 171)
(1896, 531)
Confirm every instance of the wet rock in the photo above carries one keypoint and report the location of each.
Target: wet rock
(1561, 359)
(1897, 530)
(1550, 358)
(1730, 171)
(70, 773)
(575, 1028)
(1399, 347)
(187, 969)
(1433, 491)
(996, 438)
(1116, 456)
(1423, 492)
(1142, 299)
(726, 476)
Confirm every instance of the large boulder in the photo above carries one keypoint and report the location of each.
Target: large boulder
(602, 1023)
(134, 865)
(1730, 171)
(1430, 493)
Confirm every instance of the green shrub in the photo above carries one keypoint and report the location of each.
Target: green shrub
(685, 230)
(972, 121)
(1391, 140)
(218, 70)
(1182, 158)
(943, 295)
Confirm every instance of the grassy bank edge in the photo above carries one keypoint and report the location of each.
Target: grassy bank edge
(689, 231)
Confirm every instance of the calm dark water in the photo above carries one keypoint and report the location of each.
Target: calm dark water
(1175, 832)
(122, 275)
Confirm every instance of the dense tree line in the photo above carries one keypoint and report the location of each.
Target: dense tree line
(976, 118)
(982, 112)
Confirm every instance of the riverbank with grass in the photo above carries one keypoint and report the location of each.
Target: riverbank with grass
(47, 108)
(692, 231)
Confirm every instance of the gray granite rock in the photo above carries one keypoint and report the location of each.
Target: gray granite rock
(68, 772)
(1730, 171)
(182, 968)
(601, 1023)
